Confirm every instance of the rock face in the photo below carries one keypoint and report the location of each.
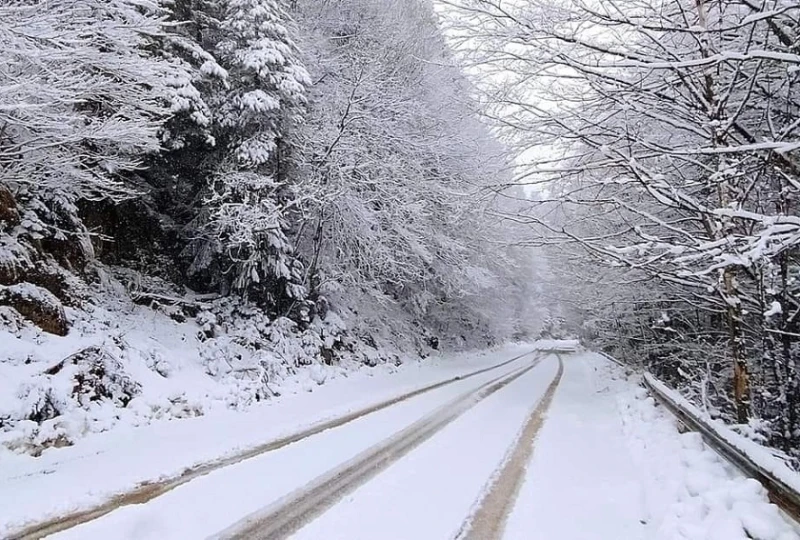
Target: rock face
(36, 304)
(31, 281)
(8, 207)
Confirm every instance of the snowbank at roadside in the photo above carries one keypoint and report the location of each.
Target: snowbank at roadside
(690, 492)
(758, 454)
(123, 364)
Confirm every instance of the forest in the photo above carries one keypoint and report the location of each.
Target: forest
(317, 182)
(288, 184)
(663, 140)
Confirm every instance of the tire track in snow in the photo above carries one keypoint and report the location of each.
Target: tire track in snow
(287, 515)
(488, 521)
(148, 491)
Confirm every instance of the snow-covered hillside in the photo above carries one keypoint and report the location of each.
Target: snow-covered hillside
(125, 364)
(206, 204)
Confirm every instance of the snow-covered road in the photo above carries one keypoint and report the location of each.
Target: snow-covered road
(429, 492)
(547, 446)
(580, 461)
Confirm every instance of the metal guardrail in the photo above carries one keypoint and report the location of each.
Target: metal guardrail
(779, 492)
(612, 359)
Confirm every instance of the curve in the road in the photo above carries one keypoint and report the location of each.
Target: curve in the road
(150, 490)
(488, 520)
(289, 514)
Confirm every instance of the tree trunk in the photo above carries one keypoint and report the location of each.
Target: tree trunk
(741, 383)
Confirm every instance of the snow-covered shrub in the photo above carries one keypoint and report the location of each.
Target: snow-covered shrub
(91, 379)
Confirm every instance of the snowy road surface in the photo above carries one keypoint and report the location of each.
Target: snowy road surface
(548, 446)
(596, 475)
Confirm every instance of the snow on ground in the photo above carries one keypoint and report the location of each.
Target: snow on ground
(212, 502)
(581, 483)
(123, 364)
(758, 454)
(440, 481)
(557, 344)
(102, 464)
(690, 492)
(608, 464)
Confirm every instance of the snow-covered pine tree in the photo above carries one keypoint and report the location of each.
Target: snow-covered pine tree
(250, 195)
(218, 193)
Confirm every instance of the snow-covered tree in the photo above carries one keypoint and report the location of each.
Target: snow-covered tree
(672, 130)
(80, 104)
(249, 193)
(220, 184)
(395, 166)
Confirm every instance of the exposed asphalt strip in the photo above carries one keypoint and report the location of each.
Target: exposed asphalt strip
(489, 519)
(290, 513)
(150, 490)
